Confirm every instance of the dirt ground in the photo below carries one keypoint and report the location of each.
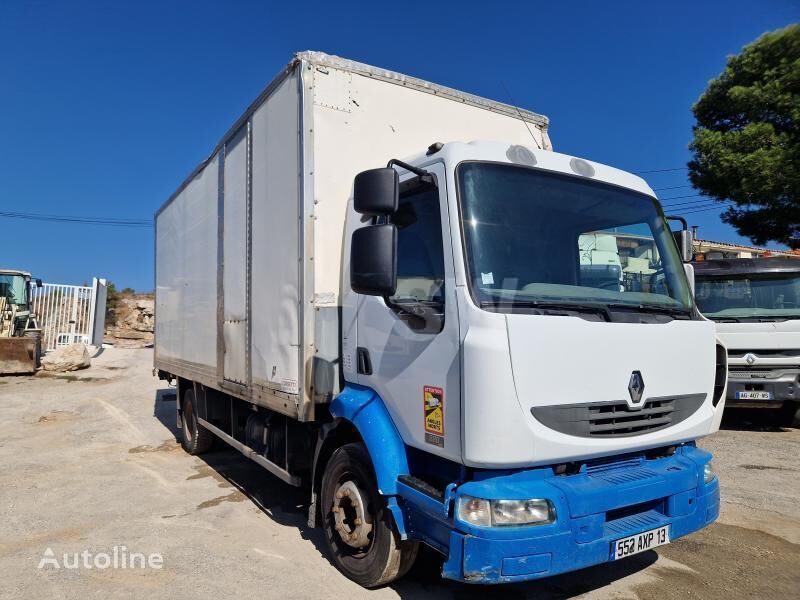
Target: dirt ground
(89, 461)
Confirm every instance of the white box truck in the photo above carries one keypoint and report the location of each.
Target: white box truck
(755, 304)
(373, 288)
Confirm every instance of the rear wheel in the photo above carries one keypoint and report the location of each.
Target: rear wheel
(359, 529)
(196, 438)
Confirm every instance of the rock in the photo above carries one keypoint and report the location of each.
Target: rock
(131, 325)
(68, 358)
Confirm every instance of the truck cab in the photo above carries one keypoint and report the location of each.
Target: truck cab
(553, 410)
(755, 305)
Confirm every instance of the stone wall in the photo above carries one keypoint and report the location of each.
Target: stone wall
(132, 321)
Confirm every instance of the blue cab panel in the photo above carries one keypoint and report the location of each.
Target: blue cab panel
(607, 500)
(593, 510)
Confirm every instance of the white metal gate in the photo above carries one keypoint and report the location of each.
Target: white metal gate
(70, 313)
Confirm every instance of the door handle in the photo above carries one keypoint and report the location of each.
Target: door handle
(364, 363)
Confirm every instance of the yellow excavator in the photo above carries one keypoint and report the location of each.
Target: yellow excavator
(20, 335)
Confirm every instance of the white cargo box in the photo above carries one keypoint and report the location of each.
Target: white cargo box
(249, 248)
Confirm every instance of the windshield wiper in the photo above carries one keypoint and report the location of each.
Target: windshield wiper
(544, 305)
(651, 308)
(754, 318)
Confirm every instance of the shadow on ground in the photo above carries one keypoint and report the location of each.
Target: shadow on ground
(752, 419)
(288, 505)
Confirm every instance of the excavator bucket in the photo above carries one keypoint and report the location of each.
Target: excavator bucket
(19, 355)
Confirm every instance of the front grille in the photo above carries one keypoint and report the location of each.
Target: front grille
(749, 373)
(616, 419)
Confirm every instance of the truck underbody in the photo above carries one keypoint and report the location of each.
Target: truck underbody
(597, 503)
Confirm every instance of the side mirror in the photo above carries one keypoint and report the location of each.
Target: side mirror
(373, 260)
(376, 192)
(684, 240)
(38, 283)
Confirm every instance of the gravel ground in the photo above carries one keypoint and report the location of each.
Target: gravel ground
(89, 461)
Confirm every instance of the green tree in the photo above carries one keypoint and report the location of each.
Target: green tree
(112, 298)
(747, 139)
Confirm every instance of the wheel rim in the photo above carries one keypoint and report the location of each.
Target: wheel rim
(352, 518)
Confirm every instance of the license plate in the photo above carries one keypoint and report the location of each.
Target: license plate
(640, 542)
(753, 396)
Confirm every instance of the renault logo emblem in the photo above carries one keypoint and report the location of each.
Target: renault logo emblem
(636, 387)
(750, 358)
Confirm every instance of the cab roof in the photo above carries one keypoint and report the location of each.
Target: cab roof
(531, 156)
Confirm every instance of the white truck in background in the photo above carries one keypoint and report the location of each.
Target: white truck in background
(755, 304)
(366, 299)
(600, 261)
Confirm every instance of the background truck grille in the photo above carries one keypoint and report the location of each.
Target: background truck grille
(763, 353)
(616, 419)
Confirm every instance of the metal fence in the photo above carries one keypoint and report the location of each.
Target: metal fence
(70, 313)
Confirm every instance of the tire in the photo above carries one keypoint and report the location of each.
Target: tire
(196, 438)
(789, 414)
(385, 557)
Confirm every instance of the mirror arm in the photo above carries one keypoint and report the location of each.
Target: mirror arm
(406, 166)
(678, 218)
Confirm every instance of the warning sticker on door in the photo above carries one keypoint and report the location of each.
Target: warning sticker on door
(433, 401)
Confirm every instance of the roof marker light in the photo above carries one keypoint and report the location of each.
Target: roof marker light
(521, 155)
(581, 167)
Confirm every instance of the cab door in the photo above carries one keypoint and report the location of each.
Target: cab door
(408, 349)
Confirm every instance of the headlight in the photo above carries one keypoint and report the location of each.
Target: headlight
(505, 513)
(475, 511)
(708, 473)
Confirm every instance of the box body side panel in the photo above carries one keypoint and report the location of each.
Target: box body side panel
(276, 225)
(234, 278)
(186, 273)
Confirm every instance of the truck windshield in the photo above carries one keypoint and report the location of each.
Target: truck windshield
(13, 288)
(536, 238)
(754, 296)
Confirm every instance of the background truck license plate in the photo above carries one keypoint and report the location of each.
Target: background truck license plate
(753, 396)
(639, 542)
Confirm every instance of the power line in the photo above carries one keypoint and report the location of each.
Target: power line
(674, 187)
(697, 210)
(679, 197)
(687, 202)
(661, 170)
(105, 221)
(696, 204)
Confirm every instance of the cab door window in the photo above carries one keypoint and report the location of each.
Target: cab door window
(419, 297)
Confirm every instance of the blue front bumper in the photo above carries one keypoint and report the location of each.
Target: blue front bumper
(603, 503)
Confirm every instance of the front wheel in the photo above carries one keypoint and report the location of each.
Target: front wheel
(359, 529)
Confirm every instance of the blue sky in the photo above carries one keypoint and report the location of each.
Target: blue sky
(106, 106)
